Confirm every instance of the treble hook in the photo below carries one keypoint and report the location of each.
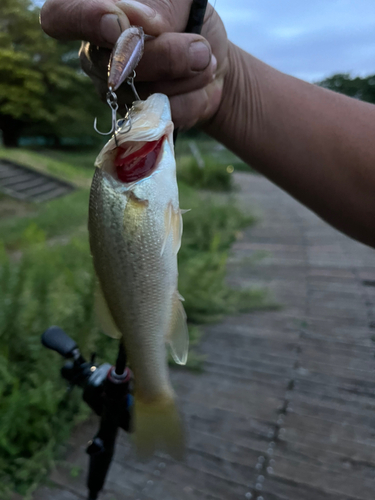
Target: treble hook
(130, 81)
(126, 120)
(113, 104)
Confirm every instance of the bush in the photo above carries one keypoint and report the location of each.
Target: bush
(47, 286)
(214, 176)
(209, 231)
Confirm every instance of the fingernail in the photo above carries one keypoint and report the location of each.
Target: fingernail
(110, 28)
(200, 55)
(213, 64)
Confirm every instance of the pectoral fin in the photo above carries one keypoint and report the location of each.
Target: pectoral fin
(173, 225)
(104, 315)
(178, 335)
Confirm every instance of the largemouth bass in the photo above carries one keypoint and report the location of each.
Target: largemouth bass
(135, 229)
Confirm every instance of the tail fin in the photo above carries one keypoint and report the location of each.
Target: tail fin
(158, 426)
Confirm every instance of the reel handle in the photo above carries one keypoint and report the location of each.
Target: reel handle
(56, 339)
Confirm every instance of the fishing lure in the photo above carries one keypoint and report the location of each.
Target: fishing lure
(125, 57)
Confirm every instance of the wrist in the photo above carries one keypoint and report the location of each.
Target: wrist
(240, 112)
(230, 90)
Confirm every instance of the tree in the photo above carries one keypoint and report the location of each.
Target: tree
(359, 88)
(42, 89)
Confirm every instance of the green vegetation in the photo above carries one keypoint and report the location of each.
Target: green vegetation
(360, 88)
(42, 91)
(56, 218)
(84, 158)
(47, 285)
(213, 176)
(217, 158)
(62, 216)
(46, 278)
(209, 231)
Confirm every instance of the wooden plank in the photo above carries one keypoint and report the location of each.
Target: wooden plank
(24, 183)
(36, 191)
(54, 193)
(13, 181)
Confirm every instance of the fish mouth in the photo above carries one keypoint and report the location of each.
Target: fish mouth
(136, 160)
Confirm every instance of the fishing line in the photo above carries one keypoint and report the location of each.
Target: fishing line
(211, 14)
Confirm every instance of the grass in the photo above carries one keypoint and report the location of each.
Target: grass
(83, 159)
(57, 217)
(49, 283)
(47, 286)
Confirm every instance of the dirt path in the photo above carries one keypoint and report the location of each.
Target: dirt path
(285, 407)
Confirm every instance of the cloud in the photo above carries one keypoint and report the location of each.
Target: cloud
(309, 40)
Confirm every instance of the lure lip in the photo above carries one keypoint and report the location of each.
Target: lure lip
(125, 56)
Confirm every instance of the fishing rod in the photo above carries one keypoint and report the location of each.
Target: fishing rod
(194, 25)
(106, 389)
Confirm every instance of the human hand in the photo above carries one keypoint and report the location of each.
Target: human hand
(174, 63)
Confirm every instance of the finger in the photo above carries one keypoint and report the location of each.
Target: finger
(174, 55)
(186, 108)
(197, 106)
(168, 57)
(97, 21)
(94, 62)
(183, 85)
(158, 20)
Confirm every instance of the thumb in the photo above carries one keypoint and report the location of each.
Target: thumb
(99, 22)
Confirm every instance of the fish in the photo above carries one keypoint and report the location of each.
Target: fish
(135, 229)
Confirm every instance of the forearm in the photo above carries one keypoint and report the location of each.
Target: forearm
(316, 144)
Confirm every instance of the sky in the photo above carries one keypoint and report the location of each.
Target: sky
(307, 39)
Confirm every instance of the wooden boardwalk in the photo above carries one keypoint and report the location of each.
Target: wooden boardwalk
(25, 183)
(285, 408)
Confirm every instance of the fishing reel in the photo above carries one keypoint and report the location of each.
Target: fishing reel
(108, 392)
(93, 379)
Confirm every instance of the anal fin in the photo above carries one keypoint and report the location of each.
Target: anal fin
(178, 335)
